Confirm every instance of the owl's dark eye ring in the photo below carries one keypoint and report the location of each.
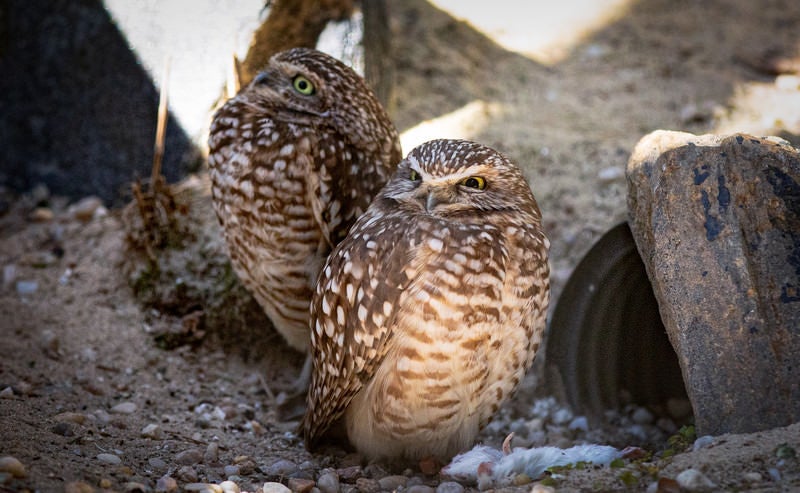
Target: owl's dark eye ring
(302, 85)
(477, 182)
(413, 175)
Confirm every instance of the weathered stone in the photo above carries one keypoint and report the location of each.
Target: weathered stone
(717, 222)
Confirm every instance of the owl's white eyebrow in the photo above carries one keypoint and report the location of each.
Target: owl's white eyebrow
(478, 169)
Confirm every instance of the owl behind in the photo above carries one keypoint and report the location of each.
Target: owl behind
(294, 159)
(428, 314)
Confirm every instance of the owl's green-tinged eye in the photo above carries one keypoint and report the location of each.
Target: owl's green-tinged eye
(413, 175)
(477, 182)
(303, 85)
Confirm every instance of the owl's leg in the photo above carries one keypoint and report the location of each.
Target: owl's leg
(300, 385)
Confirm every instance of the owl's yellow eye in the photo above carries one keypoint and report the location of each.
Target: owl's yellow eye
(474, 182)
(303, 85)
(413, 175)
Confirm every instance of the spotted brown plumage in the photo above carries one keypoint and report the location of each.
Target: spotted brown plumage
(427, 315)
(294, 159)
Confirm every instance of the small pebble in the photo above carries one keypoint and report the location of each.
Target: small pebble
(203, 487)
(68, 417)
(105, 483)
(562, 416)
(166, 484)
(282, 467)
(41, 215)
(368, 485)
(13, 466)
(84, 210)
(152, 431)
(774, 474)
(298, 485)
(109, 459)
(187, 474)
(642, 416)
(7, 393)
(229, 487)
(579, 423)
(124, 408)
(694, 480)
(189, 457)
(133, 487)
(609, 175)
(157, 463)
(449, 487)
(420, 488)
(328, 483)
(9, 274)
(349, 474)
(753, 477)
(414, 480)
(231, 470)
(392, 483)
(540, 488)
(78, 487)
(211, 455)
(275, 488)
(25, 288)
(703, 442)
(51, 344)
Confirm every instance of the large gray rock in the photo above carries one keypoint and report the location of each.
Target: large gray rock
(717, 222)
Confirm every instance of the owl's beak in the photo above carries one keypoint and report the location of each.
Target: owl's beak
(433, 198)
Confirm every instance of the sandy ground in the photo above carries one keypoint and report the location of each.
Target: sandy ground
(89, 393)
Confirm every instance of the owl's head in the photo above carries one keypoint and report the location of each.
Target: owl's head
(308, 87)
(452, 177)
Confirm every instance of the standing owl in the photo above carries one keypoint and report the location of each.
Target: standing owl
(294, 159)
(426, 317)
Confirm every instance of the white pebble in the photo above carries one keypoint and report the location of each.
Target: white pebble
(275, 488)
(9, 274)
(124, 408)
(774, 474)
(7, 393)
(608, 175)
(579, 423)
(229, 487)
(753, 477)
(703, 442)
(562, 416)
(109, 459)
(449, 487)
(694, 480)
(328, 483)
(27, 287)
(152, 431)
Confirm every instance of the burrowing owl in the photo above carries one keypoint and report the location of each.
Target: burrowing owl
(295, 158)
(428, 314)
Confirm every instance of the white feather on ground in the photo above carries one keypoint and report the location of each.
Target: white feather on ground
(490, 467)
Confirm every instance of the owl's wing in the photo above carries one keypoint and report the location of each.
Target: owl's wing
(351, 314)
(344, 181)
